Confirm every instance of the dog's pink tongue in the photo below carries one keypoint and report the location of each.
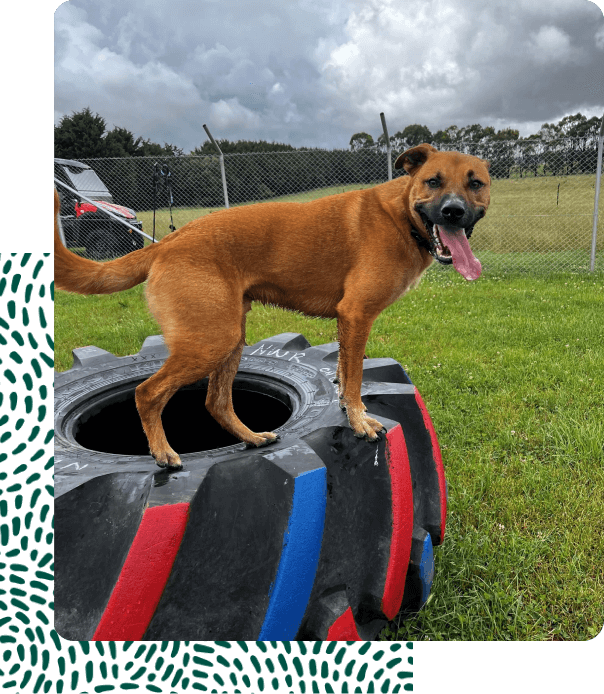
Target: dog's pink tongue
(463, 259)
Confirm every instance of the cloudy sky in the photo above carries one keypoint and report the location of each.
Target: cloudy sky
(314, 72)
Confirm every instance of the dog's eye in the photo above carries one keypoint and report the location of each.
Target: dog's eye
(433, 182)
(476, 184)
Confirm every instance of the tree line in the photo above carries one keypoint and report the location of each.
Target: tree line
(574, 126)
(84, 135)
(128, 166)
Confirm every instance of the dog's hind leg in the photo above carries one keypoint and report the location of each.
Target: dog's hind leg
(199, 346)
(151, 397)
(219, 400)
(201, 321)
(190, 360)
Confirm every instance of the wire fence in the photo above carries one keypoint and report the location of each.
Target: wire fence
(541, 216)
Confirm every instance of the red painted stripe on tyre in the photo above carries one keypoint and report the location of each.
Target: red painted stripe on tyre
(402, 521)
(438, 460)
(344, 628)
(144, 575)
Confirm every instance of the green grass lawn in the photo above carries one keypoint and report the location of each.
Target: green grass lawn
(511, 370)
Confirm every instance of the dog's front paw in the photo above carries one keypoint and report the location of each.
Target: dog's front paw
(263, 439)
(167, 459)
(365, 427)
(371, 432)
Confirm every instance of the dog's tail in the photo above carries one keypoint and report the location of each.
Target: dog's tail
(76, 274)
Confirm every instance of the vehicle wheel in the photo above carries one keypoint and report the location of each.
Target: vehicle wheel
(98, 246)
(319, 536)
(69, 233)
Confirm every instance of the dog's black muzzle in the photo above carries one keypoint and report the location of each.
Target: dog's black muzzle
(451, 211)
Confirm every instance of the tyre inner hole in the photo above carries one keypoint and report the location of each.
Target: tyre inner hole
(110, 422)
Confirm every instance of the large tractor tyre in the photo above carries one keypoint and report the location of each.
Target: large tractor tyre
(319, 536)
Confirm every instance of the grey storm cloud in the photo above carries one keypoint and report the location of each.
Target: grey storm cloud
(311, 73)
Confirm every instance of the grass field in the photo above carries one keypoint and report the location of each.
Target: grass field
(511, 369)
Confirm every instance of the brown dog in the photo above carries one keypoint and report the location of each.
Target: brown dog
(345, 256)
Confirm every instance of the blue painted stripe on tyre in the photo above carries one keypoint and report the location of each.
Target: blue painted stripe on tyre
(426, 568)
(299, 558)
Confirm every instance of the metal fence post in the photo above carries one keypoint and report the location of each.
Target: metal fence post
(388, 147)
(224, 183)
(594, 235)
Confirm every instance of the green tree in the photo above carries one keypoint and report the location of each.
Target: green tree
(146, 148)
(80, 136)
(83, 136)
(360, 141)
(398, 142)
(447, 136)
(474, 133)
(579, 126)
(414, 135)
(381, 142)
(506, 134)
(241, 147)
(548, 132)
(120, 142)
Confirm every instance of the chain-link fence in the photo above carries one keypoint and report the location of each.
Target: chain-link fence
(540, 219)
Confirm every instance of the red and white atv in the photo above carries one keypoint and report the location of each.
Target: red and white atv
(85, 225)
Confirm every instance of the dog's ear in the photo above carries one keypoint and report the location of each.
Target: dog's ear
(413, 158)
(486, 163)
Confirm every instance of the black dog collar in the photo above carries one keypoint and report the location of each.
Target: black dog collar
(429, 245)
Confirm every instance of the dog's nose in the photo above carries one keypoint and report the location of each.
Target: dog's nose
(453, 212)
